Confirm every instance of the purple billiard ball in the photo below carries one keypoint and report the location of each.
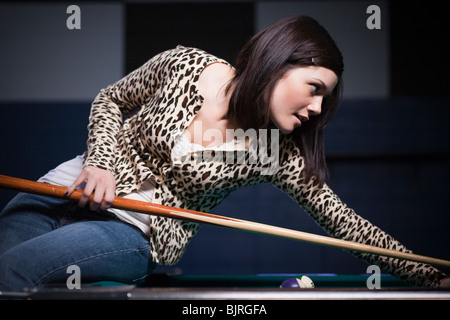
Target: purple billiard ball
(299, 282)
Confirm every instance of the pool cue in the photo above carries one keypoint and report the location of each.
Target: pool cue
(45, 189)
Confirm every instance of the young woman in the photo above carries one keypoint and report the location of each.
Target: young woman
(148, 136)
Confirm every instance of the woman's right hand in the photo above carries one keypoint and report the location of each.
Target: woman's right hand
(98, 181)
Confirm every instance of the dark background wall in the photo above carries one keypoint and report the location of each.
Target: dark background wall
(387, 149)
(154, 27)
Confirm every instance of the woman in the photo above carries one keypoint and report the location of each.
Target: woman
(154, 136)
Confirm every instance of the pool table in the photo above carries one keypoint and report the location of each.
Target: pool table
(241, 287)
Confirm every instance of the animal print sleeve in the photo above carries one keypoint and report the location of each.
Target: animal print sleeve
(342, 222)
(115, 102)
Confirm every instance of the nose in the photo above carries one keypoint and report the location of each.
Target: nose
(315, 107)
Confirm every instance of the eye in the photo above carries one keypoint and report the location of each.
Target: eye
(315, 88)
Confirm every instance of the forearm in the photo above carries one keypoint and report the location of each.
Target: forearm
(104, 123)
(342, 222)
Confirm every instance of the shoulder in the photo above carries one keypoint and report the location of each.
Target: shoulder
(288, 149)
(195, 53)
(187, 60)
(214, 76)
(192, 56)
(290, 161)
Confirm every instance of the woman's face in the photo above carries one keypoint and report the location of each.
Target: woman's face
(298, 96)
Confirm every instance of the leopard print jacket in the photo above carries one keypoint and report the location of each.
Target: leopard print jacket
(133, 127)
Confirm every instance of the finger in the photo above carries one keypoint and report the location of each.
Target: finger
(97, 198)
(88, 189)
(78, 181)
(108, 199)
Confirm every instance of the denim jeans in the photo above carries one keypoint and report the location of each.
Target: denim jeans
(40, 237)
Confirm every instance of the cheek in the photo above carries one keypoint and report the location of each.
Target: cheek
(289, 96)
(277, 108)
(281, 99)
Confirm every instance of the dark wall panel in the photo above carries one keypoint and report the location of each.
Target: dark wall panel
(220, 29)
(419, 59)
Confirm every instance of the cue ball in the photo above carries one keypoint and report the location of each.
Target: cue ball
(299, 282)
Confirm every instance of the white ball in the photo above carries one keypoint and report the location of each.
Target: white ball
(305, 282)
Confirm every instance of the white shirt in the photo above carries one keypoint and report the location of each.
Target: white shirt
(66, 173)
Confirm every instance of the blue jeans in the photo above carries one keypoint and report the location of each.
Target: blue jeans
(40, 237)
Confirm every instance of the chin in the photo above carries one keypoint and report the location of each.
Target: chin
(283, 129)
(286, 131)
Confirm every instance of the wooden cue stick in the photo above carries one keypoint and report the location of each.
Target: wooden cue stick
(200, 217)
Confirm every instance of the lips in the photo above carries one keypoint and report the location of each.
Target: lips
(300, 119)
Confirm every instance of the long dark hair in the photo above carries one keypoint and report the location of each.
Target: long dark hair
(292, 42)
